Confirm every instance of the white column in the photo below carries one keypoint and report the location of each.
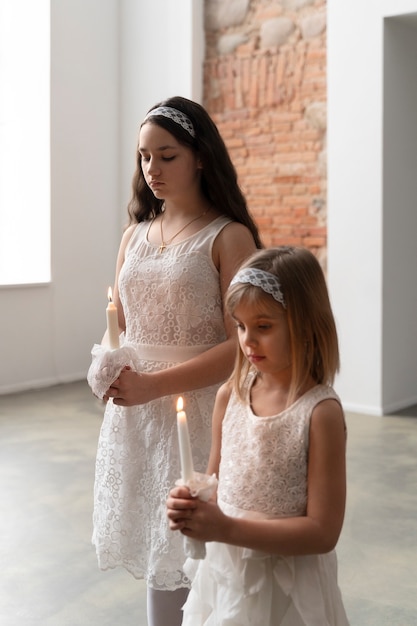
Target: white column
(358, 279)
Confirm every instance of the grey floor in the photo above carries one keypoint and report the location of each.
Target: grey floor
(49, 575)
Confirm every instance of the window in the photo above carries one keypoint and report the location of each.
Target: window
(24, 141)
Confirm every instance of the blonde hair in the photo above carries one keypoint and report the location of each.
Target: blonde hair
(312, 328)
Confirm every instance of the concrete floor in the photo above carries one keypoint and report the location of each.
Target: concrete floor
(49, 575)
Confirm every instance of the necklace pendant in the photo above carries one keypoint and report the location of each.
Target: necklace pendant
(164, 244)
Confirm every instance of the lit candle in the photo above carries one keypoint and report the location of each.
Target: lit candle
(187, 470)
(112, 322)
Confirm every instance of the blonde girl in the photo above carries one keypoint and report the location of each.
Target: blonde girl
(279, 451)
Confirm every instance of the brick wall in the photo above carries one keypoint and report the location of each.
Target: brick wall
(265, 87)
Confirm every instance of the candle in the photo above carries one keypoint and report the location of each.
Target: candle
(187, 470)
(112, 322)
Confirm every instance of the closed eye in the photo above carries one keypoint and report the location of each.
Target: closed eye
(146, 158)
(260, 327)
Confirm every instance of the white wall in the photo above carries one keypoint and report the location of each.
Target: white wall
(109, 65)
(47, 330)
(162, 52)
(360, 248)
(111, 61)
(399, 373)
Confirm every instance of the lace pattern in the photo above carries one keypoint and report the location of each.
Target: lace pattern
(172, 306)
(263, 474)
(264, 459)
(171, 298)
(259, 278)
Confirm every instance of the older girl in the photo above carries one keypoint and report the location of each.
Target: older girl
(190, 230)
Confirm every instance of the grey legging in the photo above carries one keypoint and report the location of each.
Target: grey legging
(164, 607)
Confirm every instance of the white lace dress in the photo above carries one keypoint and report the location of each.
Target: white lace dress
(173, 310)
(263, 475)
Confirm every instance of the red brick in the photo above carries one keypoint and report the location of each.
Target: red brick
(258, 99)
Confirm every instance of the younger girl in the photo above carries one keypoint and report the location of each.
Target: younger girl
(279, 451)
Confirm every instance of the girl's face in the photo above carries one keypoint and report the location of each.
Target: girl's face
(264, 335)
(170, 168)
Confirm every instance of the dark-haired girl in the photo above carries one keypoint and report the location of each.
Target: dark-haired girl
(189, 231)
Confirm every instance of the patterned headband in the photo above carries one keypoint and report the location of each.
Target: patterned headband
(259, 278)
(177, 116)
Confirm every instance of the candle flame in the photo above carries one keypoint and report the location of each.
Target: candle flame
(110, 295)
(180, 404)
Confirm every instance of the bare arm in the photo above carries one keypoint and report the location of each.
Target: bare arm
(233, 245)
(219, 410)
(315, 533)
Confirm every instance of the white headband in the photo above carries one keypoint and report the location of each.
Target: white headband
(177, 116)
(259, 278)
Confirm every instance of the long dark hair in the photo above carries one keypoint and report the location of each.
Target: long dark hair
(218, 178)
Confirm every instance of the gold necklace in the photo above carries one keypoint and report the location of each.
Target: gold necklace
(163, 243)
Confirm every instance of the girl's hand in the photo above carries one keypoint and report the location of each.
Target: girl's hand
(197, 519)
(180, 507)
(131, 388)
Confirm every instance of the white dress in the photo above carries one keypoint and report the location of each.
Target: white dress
(263, 475)
(173, 309)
